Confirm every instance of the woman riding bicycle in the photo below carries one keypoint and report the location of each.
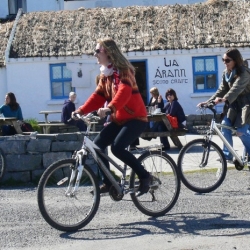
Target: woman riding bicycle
(234, 90)
(117, 86)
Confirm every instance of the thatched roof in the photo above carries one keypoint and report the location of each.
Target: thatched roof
(5, 30)
(136, 28)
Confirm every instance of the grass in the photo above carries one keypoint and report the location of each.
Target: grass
(34, 123)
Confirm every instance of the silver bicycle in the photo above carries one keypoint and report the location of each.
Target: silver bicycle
(69, 195)
(201, 162)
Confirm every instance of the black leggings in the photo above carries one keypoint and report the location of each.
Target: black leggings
(120, 137)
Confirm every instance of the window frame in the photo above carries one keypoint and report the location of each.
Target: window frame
(16, 4)
(205, 73)
(63, 80)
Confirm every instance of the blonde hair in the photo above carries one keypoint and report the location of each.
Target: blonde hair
(154, 91)
(115, 55)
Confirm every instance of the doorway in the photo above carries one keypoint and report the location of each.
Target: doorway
(141, 79)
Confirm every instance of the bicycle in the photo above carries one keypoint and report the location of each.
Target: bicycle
(201, 162)
(2, 164)
(69, 195)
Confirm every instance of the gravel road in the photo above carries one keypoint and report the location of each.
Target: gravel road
(219, 220)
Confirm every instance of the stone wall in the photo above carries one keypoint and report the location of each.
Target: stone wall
(198, 124)
(26, 157)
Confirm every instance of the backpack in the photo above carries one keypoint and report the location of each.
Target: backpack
(26, 127)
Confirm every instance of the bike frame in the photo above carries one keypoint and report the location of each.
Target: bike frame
(216, 127)
(89, 147)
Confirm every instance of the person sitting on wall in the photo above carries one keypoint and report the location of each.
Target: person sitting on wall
(10, 109)
(68, 108)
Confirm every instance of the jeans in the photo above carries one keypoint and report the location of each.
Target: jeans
(120, 137)
(161, 127)
(245, 137)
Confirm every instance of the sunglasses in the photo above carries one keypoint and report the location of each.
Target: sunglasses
(226, 60)
(97, 51)
(169, 94)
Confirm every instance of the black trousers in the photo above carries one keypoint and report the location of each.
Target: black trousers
(120, 137)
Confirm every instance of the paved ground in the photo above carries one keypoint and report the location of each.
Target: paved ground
(218, 220)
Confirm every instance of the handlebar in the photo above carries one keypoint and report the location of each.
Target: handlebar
(90, 117)
(209, 105)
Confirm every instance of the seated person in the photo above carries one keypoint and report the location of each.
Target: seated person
(155, 102)
(68, 108)
(172, 108)
(10, 109)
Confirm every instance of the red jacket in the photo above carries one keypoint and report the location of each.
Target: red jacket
(123, 96)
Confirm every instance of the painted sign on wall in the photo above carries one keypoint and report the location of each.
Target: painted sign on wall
(170, 73)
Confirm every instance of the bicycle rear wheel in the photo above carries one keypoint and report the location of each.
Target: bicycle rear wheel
(63, 210)
(2, 164)
(165, 187)
(196, 174)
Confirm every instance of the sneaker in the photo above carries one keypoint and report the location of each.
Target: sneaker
(144, 186)
(104, 188)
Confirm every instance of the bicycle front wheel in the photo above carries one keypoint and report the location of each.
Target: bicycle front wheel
(165, 187)
(64, 208)
(2, 164)
(202, 169)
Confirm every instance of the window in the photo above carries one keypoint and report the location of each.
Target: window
(61, 81)
(15, 5)
(205, 73)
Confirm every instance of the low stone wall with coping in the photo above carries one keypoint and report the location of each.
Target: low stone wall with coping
(27, 157)
(198, 124)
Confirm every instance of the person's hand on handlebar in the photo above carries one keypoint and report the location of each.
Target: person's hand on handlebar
(74, 116)
(102, 112)
(219, 100)
(201, 104)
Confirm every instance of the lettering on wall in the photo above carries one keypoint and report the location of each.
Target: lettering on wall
(171, 73)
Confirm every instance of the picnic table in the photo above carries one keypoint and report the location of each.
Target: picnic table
(172, 133)
(46, 113)
(46, 126)
(11, 121)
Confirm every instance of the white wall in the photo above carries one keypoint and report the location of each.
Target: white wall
(30, 81)
(180, 77)
(3, 84)
(44, 5)
(4, 10)
(29, 78)
(72, 5)
(33, 5)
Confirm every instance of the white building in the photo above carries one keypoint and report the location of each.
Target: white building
(44, 55)
(9, 8)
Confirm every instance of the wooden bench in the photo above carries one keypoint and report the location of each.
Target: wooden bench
(59, 125)
(172, 133)
(62, 127)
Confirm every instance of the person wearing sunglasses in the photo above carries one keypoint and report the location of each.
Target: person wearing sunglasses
(117, 86)
(234, 91)
(172, 108)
